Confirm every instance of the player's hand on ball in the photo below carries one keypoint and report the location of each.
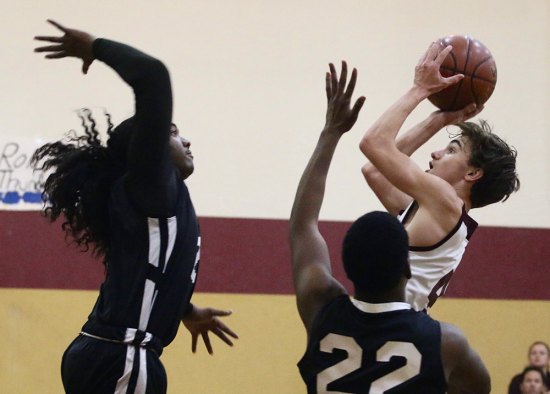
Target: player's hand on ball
(454, 117)
(202, 321)
(340, 116)
(427, 75)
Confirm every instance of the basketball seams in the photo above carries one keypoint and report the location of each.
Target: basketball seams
(452, 70)
(492, 82)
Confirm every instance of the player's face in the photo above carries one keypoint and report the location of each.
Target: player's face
(532, 383)
(180, 153)
(538, 356)
(451, 163)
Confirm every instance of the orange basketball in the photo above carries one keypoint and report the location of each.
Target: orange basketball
(473, 59)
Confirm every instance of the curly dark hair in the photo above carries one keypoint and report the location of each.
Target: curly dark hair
(496, 158)
(78, 187)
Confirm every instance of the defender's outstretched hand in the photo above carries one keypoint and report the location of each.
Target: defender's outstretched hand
(340, 117)
(200, 321)
(427, 75)
(73, 43)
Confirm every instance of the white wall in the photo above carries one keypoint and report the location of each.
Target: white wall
(248, 79)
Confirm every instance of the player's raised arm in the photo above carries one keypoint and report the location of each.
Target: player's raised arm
(393, 199)
(311, 269)
(151, 179)
(379, 142)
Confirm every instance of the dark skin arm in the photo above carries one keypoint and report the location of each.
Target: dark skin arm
(152, 180)
(464, 369)
(311, 268)
(152, 183)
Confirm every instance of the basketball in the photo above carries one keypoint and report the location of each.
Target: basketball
(473, 59)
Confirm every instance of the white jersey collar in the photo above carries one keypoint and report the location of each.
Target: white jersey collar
(379, 308)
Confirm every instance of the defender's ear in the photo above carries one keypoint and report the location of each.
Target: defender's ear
(474, 174)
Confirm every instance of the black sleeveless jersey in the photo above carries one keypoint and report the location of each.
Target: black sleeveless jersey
(151, 269)
(357, 347)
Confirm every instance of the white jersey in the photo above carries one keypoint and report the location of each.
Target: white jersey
(433, 266)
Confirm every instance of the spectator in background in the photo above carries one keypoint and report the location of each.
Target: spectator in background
(538, 357)
(532, 381)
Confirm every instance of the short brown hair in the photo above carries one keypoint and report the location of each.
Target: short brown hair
(496, 158)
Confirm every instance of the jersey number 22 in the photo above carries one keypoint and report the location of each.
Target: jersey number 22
(353, 362)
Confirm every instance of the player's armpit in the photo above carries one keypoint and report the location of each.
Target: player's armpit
(315, 287)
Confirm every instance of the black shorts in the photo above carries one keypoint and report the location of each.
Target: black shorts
(94, 366)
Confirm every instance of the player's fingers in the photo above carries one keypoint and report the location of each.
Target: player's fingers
(194, 338)
(50, 48)
(443, 54)
(49, 38)
(351, 85)
(219, 312)
(86, 66)
(220, 334)
(343, 77)
(470, 108)
(357, 106)
(327, 85)
(58, 25)
(479, 109)
(431, 52)
(57, 55)
(207, 343)
(224, 328)
(333, 78)
(454, 79)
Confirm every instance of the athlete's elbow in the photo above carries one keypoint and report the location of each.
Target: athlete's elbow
(370, 172)
(153, 72)
(366, 144)
(371, 143)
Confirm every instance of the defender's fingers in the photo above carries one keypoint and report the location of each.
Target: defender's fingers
(226, 329)
(49, 38)
(333, 78)
(219, 312)
(194, 338)
(207, 343)
(58, 55)
(50, 48)
(327, 85)
(351, 85)
(220, 334)
(58, 25)
(358, 105)
(343, 77)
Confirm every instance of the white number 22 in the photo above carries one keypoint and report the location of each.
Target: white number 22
(353, 362)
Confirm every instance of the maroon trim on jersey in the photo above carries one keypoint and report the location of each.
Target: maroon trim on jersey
(470, 223)
(253, 256)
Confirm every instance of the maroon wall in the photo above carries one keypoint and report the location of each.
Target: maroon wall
(252, 256)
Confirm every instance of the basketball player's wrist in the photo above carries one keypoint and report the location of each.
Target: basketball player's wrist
(187, 311)
(419, 93)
